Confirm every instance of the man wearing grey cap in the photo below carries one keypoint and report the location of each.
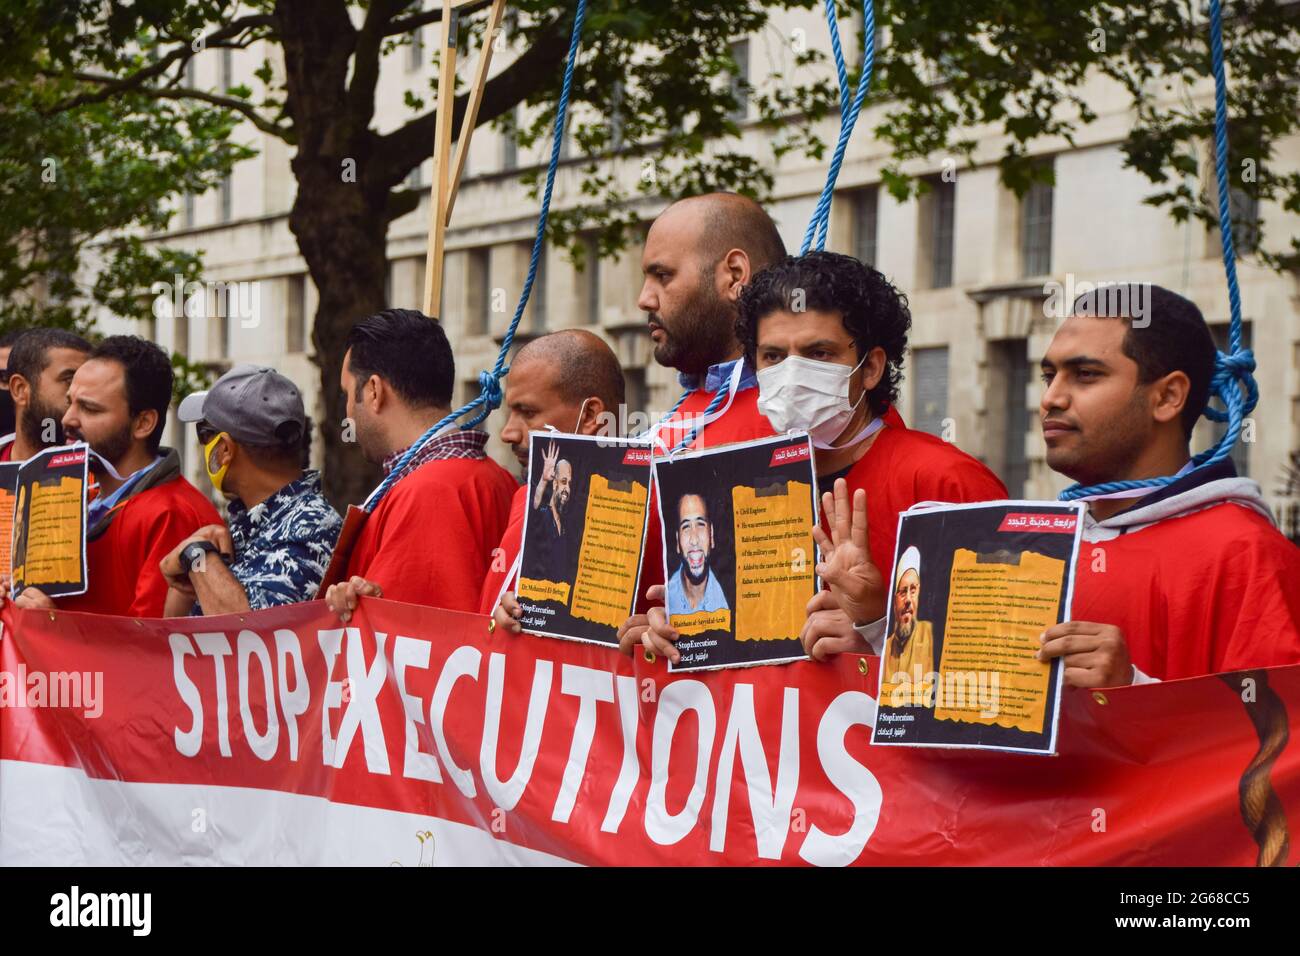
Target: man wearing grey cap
(254, 432)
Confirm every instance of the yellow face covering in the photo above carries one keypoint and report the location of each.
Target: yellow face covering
(209, 453)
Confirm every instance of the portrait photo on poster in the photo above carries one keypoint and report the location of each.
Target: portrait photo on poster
(738, 551)
(971, 589)
(49, 525)
(584, 533)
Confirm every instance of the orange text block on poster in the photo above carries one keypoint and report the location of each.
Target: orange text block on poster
(995, 613)
(774, 561)
(604, 588)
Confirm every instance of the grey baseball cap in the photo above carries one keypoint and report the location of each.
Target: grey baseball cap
(255, 404)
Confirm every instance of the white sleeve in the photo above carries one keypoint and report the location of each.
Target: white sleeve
(1140, 678)
(873, 634)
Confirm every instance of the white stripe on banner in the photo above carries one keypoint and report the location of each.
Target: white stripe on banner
(57, 816)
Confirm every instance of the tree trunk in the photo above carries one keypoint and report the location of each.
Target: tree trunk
(338, 215)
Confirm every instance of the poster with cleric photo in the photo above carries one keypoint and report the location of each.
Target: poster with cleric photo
(739, 555)
(973, 586)
(584, 532)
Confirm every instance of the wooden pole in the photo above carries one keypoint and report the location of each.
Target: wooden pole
(475, 100)
(441, 152)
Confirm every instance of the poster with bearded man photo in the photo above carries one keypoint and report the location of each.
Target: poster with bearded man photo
(739, 555)
(584, 530)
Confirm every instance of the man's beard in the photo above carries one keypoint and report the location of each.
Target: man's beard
(692, 576)
(112, 449)
(903, 632)
(701, 335)
(33, 425)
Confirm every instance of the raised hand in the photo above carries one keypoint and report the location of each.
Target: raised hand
(846, 567)
(549, 459)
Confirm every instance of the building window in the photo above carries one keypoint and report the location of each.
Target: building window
(938, 211)
(296, 313)
(537, 298)
(1008, 412)
(739, 87)
(616, 117)
(478, 286)
(509, 145)
(223, 308)
(1244, 210)
(226, 195)
(181, 329)
(187, 216)
(1036, 230)
(227, 68)
(591, 279)
(866, 206)
(930, 389)
(415, 52)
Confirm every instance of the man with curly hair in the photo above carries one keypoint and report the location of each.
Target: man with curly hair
(827, 336)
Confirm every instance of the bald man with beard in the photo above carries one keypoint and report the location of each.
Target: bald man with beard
(570, 381)
(699, 256)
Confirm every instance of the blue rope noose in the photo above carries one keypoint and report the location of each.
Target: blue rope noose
(1233, 382)
(489, 397)
(849, 110)
(820, 224)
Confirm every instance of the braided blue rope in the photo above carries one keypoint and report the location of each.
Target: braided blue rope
(1233, 382)
(820, 224)
(489, 397)
(718, 397)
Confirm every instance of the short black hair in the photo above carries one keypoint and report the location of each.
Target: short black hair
(30, 354)
(148, 374)
(409, 351)
(873, 311)
(1173, 337)
(11, 336)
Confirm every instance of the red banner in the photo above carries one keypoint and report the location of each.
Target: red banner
(281, 737)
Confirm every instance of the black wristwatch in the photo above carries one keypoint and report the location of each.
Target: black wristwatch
(192, 555)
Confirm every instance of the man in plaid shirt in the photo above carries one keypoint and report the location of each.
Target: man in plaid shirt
(429, 539)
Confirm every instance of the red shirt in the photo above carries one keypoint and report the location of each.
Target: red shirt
(122, 562)
(903, 468)
(1201, 593)
(503, 559)
(430, 539)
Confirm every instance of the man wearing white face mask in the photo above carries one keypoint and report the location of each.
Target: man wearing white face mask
(832, 366)
(827, 335)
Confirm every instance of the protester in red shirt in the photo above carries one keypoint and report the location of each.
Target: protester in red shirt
(698, 256)
(570, 381)
(429, 539)
(1188, 579)
(828, 335)
(40, 369)
(118, 403)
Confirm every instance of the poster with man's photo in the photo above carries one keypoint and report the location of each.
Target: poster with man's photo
(584, 531)
(739, 555)
(973, 586)
(49, 526)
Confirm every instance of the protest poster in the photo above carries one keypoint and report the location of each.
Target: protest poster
(49, 523)
(584, 531)
(8, 497)
(739, 555)
(973, 586)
